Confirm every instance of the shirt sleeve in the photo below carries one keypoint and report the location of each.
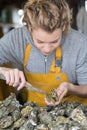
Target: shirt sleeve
(12, 48)
(81, 66)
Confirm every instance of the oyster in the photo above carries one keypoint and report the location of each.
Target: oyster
(42, 127)
(30, 116)
(16, 115)
(25, 111)
(53, 97)
(45, 117)
(27, 126)
(18, 123)
(5, 122)
(33, 116)
(78, 116)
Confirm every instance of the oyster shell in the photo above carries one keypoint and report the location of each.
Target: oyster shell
(53, 97)
(45, 117)
(25, 111)
(5, 122)
(19, 123)
(30, 116)
(78, 116)
(42, 127)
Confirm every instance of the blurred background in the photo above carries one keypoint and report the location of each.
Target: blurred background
(11, 14)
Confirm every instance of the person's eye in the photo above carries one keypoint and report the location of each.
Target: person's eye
(40, 42)
(55, 42)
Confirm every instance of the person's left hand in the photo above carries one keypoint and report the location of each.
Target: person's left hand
(61, 91)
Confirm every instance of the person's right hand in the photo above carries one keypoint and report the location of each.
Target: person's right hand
(14, 77)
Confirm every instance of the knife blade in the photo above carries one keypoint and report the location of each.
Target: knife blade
(31, 88)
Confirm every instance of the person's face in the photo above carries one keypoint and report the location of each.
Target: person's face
(46, 42)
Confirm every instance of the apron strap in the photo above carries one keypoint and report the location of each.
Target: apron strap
(59, 52)
(27, 54)
(57, 62)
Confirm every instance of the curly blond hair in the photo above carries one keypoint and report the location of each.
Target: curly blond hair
(48, 15)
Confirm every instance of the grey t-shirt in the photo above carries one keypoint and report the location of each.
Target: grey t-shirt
(74, 54)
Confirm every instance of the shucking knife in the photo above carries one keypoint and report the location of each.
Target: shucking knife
(31, 88)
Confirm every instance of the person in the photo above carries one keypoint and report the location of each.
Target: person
(46, 53)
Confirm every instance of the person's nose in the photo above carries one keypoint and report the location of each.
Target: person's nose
(47, 48)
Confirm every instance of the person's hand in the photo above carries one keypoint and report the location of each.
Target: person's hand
(14, 77)
(61, 91)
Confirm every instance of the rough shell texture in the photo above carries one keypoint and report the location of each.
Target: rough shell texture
(30, 116)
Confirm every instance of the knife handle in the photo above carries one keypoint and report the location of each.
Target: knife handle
(2, 77)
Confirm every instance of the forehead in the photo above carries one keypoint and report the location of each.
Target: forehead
(41, 34)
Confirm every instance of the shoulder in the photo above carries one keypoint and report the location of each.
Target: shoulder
(17, 36)
(75, 34)
(75, 38)
(74, 46)
(19, 33)
(78, 35)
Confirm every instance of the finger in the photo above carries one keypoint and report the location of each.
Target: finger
(7, 77)
(59, 92)
(11, 77)
(60, 97)
(4, 71)
(22, 80)
(16, 78)
(48, 103)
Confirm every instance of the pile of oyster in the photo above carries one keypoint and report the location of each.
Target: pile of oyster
(30, 116)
